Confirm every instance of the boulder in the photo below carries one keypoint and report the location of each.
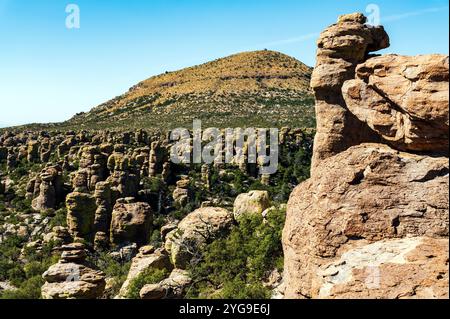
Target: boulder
(193, 232)
(131, 222)
(147, 258)
(254, 202)
(173, 287)
(403, 99)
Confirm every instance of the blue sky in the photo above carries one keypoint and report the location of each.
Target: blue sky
(49, 72)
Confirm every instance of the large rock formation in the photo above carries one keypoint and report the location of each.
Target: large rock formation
(403, 99)
(341, 47)
(373, 219)
(72, 277)
(131, 222)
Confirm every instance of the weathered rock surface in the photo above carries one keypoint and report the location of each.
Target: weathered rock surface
(252, 203)
(415, 267)
(192, 233)
(404, 99)
(72, 278)
(131, 222)
(341, 47)
(369, 192)
(148, 258)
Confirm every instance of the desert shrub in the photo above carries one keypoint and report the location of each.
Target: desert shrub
(154, 184)
(21, 204)
(24, 274)
(150, 276)
(59, 218)
(236, 266)
(29, 289)
(114, 269)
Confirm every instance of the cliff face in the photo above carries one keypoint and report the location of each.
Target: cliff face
(373, 220)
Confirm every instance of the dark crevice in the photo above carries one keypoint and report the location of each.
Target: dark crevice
(395, 224)
(359, 176)
(433, 174)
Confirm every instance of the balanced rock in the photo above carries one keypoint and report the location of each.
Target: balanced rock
(81, 209)
(72, 277)
(403, 99)
(341, 47)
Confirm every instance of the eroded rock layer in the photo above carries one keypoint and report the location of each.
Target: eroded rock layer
(373, 219)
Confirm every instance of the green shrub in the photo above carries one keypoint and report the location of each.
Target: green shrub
(30, 289)
(113, 269)
(26, 276)
(150, 276)
(236, 266)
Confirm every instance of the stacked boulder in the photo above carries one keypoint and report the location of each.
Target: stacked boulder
(181, 193)
(373, 219)
(48, 188)
(341, 47)
(72, 277)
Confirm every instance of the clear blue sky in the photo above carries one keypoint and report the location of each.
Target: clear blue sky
(48, 72)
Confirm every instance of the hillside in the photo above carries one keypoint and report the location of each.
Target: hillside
(261, 88)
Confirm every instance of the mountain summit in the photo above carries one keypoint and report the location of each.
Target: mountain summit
(246, 89)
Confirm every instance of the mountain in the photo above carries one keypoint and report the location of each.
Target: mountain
(261, 88)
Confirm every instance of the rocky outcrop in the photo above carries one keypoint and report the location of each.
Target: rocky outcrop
(72, 277)
(81, 210)
(49, 189)
(148, 258)
(131, 222)
(173, 287)
(341, 47)
(373, 219)
(363, 195)
(403, 99)
(193, 232)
